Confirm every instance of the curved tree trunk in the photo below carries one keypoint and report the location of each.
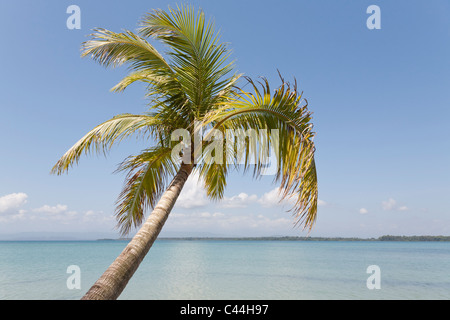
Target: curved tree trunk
(111, 284)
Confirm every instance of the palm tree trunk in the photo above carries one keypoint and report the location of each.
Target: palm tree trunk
(111, 284)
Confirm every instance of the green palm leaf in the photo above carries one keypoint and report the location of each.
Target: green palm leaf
(198, 58)
(283, 110)
(101, 138)
(147, 178)
(115, 49)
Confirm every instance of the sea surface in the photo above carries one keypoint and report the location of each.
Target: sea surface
(224, 269)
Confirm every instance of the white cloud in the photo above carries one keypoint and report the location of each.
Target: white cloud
(12, 201)
(59, 208)
(391, 204)
(273, 198)
(242, 200)
(97, 216)
(89, 213)
(10, 205)
(60, 213)
(193, 194)
(226, 222)
(363, 211)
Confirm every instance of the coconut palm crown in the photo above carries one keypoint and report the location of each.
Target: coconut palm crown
(193, 87)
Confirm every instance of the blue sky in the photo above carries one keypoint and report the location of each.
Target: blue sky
(380, 100)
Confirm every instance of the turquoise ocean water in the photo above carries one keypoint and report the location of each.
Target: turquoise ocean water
(222, 269)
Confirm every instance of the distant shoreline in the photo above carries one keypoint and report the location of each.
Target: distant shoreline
(291, 238)
(439, 238)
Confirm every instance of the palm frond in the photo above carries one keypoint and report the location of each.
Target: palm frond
(198, 58)
(102, 137)
(144, 75)
(112, 49)
(147, 179)
(213, 168)
(284, 111)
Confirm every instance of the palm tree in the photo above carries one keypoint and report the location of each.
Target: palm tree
(192, 88)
